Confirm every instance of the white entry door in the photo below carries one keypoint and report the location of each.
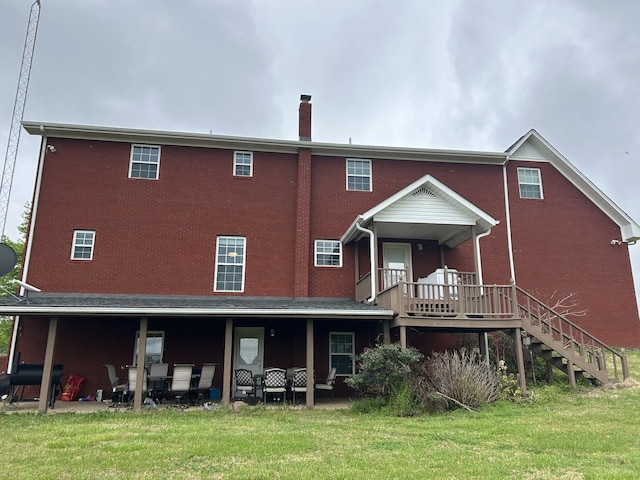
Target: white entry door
(249, 349)
(396, 258)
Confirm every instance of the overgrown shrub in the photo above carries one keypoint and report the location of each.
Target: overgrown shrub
(462, 378)
(384, 370)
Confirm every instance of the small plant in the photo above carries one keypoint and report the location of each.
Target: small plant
(508, 383)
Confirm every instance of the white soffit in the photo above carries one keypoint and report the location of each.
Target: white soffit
(533, 147)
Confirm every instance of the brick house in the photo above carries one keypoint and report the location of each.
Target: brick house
(260, 252)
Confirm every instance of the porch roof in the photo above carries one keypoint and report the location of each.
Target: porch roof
(90, 304)
(425, 209)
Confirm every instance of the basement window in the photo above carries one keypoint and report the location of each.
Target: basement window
(530, 183)
(341, 352)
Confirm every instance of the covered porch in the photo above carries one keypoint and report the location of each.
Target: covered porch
(84, 332)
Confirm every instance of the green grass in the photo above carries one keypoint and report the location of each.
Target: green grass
(562, 434)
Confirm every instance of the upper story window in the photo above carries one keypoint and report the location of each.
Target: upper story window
(82, 247)
(341, 352)
(358, 175)
(145, 162)
(328, 253)
(530, 183)
(230, 263)
(243, 164)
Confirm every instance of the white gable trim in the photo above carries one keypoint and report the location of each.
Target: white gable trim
(455, 209)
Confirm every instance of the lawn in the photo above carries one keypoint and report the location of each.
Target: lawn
(562, 434)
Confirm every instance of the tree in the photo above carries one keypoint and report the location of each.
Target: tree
(7, 285)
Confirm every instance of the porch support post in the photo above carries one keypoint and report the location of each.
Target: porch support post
(310, 372)
(403, 337)
(374, 275)
(571, 372)
(226, 370)
(520, 360)
(474, 242)
(47, 368)
(483, 343)
(386, 332)
(140, 367)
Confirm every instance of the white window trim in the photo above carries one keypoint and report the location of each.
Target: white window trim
(74, 244)
(244, 264)
(133, 145)
(370, 176)
(525, 183)
(316, 253)
(235, 163)
(353, 354)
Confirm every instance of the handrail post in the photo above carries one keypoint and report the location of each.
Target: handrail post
(514, 301)
(625, 365)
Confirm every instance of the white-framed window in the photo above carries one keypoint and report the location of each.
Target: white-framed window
(359, 175)
(243, 164)
(328, 253)
(145, 162)
(230, 264)
(342, 352)
(530, 183)
(82, 246)
(155, 347)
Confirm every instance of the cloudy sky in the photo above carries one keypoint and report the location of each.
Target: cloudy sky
(459, 74)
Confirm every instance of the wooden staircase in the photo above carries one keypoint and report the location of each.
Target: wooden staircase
(565, 346)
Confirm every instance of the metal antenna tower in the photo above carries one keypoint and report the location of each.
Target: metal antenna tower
(18, 111)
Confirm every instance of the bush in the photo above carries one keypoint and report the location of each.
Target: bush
(462, 378)
(384, 370)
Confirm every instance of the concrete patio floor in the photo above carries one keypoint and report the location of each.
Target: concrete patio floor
(31, 406)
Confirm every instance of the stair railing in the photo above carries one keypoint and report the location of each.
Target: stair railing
(571, 336)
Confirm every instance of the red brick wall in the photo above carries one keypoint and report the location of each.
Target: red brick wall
(159, 236)
(562, 245)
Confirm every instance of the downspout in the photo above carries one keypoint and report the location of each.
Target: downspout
(27, 253)
(372, 246)
(508, 219)
(485, 338)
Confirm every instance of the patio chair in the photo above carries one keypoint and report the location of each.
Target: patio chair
(158, 375)
(181, 383)
(118, 389)
(328, 385)
(299, 383)
(205, 382)
(246, 384)
(274, 383)
(132, 378)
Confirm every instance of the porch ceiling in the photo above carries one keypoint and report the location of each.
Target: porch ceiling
(84, 304)
(423, 231)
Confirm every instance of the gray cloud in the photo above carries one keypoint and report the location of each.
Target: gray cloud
(460, 74)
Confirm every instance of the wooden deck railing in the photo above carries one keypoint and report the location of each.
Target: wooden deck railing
(448, 300)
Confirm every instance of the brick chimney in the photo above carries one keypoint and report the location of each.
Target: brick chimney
(304, 126)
